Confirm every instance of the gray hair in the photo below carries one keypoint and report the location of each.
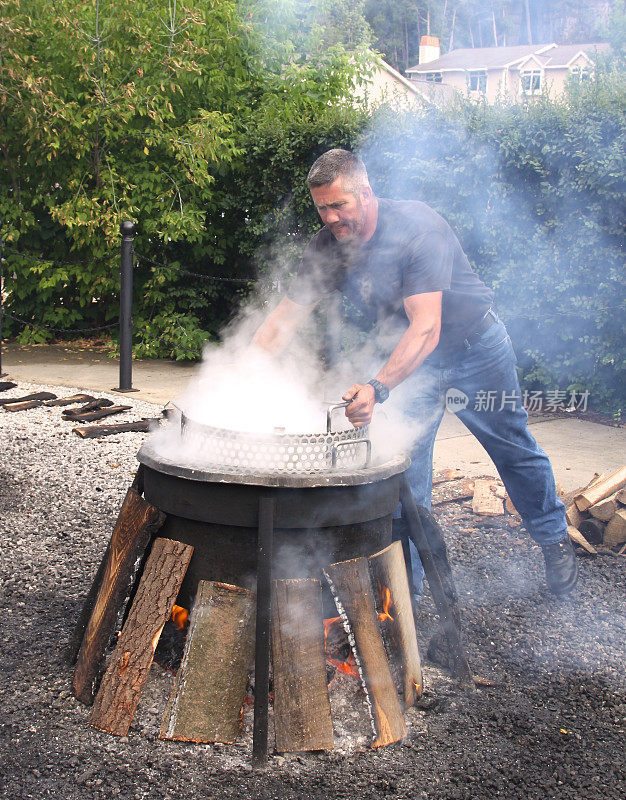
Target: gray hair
(335, 164)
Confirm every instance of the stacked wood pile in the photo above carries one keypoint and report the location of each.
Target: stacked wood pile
(595, 513)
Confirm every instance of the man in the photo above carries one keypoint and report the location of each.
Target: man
(400, 268)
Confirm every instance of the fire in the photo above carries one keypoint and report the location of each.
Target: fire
(387, 603)
(179, 617)
(348, 667)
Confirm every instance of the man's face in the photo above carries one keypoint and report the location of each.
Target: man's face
(343, 213)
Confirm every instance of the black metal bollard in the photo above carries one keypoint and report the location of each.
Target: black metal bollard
(127, 229)
(2, 374)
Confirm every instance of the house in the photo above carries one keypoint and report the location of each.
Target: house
(385, 85)
(505, 73)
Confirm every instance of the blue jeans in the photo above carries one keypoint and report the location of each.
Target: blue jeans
(485, 375)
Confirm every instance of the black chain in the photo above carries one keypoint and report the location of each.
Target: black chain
(181, 271)
(39, 260)
(58, 330)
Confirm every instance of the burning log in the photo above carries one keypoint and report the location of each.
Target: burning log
(67, 401)
(302, 718)
(615, 531)
(92, 416)
(98, 431)
(136, 523)
(352, 589)
(126, 676)
(600, 490)
(206, 703)
(27, 397)
(389, 572)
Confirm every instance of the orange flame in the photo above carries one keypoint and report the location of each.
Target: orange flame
(347, 667)
(179, 617)
(387, 603)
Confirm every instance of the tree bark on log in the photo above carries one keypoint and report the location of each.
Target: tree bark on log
(389, 574)
(6, 385)
(136, 523)
(206, 703)
(25, 398)
(351, 586)
(92, 416)
(12, 407)
(601, 490)
(126, 676)
(98, 431)
(92, 405)
(67, 401)
(302, 719)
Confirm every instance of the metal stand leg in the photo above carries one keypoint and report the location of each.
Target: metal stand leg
(460, 668)
(263, 615)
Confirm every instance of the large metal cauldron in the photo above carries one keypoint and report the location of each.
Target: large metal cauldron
(320, 517)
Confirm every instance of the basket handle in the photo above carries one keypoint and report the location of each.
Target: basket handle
(329, 413)
(368, 451)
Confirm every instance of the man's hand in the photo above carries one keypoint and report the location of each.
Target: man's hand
(360, 410)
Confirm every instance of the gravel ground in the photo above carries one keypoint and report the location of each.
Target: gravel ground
(551, 726)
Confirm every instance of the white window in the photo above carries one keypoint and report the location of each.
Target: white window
(430, 77)
(477, 81)
(531, 81)
(581, 74)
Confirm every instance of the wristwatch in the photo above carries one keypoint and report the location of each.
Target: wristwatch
(381, 392)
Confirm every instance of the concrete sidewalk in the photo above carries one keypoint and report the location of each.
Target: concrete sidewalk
(577, 448)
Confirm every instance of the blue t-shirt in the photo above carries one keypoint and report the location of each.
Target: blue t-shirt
(413, 251)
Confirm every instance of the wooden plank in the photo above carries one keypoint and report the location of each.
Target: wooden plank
(98, 431)
(136, 523)
(351, 586)
(601, 490)
(92, 416)
(605, 509)
(615, 531)
(67, 401)
(206, 704)
(576, 536)
(25, 398)
(485, 502)
(302, 719)
(389, 575)
(25, 406)
(126, 676)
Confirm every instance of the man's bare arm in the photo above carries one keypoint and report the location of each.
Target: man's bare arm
(279, 327)
(418, 341)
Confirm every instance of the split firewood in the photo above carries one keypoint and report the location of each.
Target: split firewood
(605, 509)
(485, 502)
(391, 586)
(98, 431)
(92, 405)
(6, 385)
(302, 719)
(92, 416)
(127, 673)
(452, 492)
(576, 536)
(601, 490)
(447, 475)
(573, 515)
(35, 396)
(23, 406)
(593, 530)
(206, 703)
(621, 497)
(615, 531)
(68, 401)
(136, 523)
(351, 587)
